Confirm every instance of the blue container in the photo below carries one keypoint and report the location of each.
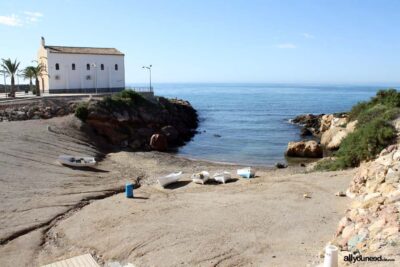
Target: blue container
(129, 190)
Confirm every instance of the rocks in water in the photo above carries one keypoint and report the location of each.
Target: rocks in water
(309, 122)
(304, 149)
(159, 142)
(217, 135)
(330, 128)
(305, 132)
(171, 133)
(279, 165)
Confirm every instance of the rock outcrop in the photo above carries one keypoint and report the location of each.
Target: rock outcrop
(304, 149)
(332, 137)
(371, 225)
(158, 142)
(142, 124)
(310, 124)
(330, 129)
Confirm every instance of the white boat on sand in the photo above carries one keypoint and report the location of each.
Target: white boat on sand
(169, 179)
(77, 161)
(201, 177)
(222, 177)
(246, 172)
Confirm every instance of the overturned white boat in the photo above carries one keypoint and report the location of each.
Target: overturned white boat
(77, 161)
(201, 177)
(169, 179)
(222, 177)
(246, 172)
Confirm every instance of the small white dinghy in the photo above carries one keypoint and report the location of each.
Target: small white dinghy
(169, 179)
(201, 177)
(246, 172)
(77, 161)
(222, 177)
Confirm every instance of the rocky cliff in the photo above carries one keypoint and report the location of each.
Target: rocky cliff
(129, 120)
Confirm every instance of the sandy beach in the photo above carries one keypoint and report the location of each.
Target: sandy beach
(50, 212)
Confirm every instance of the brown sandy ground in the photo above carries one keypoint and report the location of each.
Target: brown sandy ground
(259, 222)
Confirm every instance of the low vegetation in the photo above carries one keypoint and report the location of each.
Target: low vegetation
(82, 111)
(126, 98)
(373, 133)
(115, 102)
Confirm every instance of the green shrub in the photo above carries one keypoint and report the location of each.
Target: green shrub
(377, 111)
(126, 98)
(389, 97)
(82, 111)
(330, 165)
(373, 133)
(366, 142)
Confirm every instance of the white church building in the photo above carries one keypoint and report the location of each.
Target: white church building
(81, 69)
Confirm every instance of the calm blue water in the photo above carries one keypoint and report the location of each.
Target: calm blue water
(252, 119)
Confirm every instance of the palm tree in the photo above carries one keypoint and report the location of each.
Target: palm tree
(38, 71)
(11, 68)
(29, 73)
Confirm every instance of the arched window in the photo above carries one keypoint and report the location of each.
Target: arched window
(116, 67)
(73, 66)
(102, 66)
(88, 66)
(57, 66)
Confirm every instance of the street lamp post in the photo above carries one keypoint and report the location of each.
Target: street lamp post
(95, 76)
(149, 68)
(5, 84)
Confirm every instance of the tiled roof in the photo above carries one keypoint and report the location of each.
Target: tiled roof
(83, 50)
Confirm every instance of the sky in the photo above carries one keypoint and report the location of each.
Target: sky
(236, 41)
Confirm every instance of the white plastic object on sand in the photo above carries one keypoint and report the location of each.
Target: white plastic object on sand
(169, 179)
(331, 256)
(246, 172)
(222, 177)
(201, 177)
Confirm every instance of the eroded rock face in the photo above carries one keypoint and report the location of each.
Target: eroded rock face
(170, 133)
(310, 124)
(159, 142)
(330, 128)
(372, 223)
(304, 149)
(332, 137)
(166, 122)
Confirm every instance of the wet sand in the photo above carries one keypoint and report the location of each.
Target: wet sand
(50, 212)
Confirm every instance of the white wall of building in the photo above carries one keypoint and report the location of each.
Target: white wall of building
(82, 80)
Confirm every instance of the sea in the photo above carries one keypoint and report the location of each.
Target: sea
(249, 124)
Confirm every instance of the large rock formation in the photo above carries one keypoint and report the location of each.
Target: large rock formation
(304, 149)
(332, 137)
(372, 223)
(137, 121)
(331, 129)
(310, 123)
